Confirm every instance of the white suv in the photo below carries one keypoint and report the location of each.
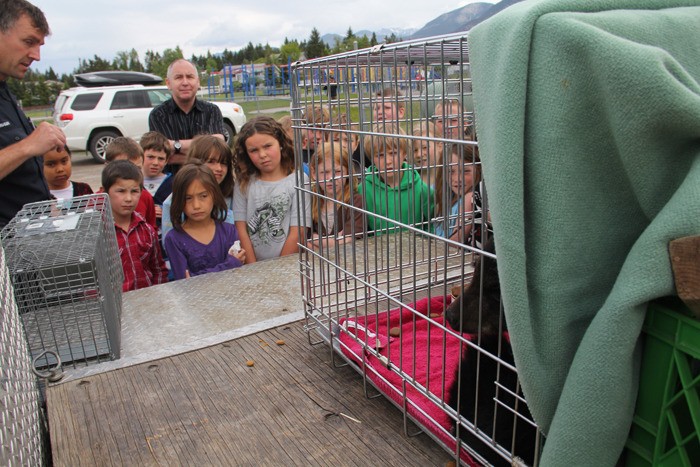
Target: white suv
(92, 117)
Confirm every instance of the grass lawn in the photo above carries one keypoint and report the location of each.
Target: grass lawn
(253, 108)
(39, 113)
(278, 115)
(260, 104)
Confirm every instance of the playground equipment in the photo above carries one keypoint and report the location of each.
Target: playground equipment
(273, 80)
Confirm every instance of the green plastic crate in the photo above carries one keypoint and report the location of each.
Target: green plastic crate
(666, 426)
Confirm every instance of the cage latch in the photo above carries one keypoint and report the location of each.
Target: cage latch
(53, 374)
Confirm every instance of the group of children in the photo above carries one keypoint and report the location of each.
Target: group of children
(204, 226)
(400, 180)
(221, 211)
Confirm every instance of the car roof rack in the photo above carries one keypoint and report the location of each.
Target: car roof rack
(115, 78)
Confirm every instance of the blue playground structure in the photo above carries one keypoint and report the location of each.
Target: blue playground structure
(274, 80)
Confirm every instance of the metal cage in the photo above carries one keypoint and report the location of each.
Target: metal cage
(21, 424)
(65, 269)
(405, 292)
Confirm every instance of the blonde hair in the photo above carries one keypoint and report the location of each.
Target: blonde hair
(447, 103)
(341, 123)
(123, 145)
(386, 93)
(340, 158)
(425, 130)
(286, 122)
(315, 115)
(469, 154)
(468, 132)
(374, 145)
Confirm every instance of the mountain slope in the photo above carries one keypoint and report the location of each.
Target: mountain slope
(330, 39)
(502, 5)
(453, 21)
(460, 19)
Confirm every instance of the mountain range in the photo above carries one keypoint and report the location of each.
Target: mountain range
(460, 19)
(403, 33)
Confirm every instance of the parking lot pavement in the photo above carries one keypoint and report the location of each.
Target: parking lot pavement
(86, 170)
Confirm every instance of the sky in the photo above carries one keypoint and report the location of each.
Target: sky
(81, 29)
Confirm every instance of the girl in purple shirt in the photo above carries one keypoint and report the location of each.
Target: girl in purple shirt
(200, 241)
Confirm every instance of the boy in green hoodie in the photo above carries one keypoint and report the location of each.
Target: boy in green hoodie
(391, 187)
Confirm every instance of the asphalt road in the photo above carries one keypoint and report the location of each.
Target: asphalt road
(85, 169)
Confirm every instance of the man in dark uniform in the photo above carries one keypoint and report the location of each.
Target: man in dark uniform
(183, 117)
(23, 28)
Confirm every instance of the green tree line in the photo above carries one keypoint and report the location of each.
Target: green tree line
(39, 89)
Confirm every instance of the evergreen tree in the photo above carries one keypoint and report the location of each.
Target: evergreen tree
(151, 60)
(227, 56)
(169, 55)
(51, 75)
(338, 46)
(121, 60)
(211, 64)
(41, 94)
(93, 64)
(199, 61)
(392, 38)
(363, 42)
(258, 52)
(315, 47)
(134, 61)
(67, 80)
(248, 53)
(18, 86)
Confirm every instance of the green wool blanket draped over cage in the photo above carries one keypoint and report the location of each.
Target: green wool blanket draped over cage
(588, 119)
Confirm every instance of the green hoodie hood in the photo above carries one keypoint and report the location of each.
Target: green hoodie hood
(411, 202)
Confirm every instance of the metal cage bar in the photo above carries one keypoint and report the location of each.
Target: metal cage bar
(65, 268)
(22, 428)
(401, 222)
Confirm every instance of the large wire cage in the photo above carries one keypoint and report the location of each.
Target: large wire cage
(65, 269)
(401, 281)
(21, 423)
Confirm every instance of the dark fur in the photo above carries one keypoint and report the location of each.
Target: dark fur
(480, 300)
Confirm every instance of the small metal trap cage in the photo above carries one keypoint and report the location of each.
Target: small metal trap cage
(398, 279)
(67, 277)
(21, 423)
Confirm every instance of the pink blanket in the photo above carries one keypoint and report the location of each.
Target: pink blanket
(424, 352)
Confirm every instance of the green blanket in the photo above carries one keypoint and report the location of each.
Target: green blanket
(588, 118)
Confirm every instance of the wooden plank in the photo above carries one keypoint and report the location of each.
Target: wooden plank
(685, 261)
(208, 407)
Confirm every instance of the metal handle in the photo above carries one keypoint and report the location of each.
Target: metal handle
(54, 374)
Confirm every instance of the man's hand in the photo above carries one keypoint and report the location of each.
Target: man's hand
(43, 139)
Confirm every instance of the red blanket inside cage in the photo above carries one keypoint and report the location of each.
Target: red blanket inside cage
(424, 352)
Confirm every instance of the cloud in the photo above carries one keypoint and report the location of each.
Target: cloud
(84, 29)
(243, 27)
